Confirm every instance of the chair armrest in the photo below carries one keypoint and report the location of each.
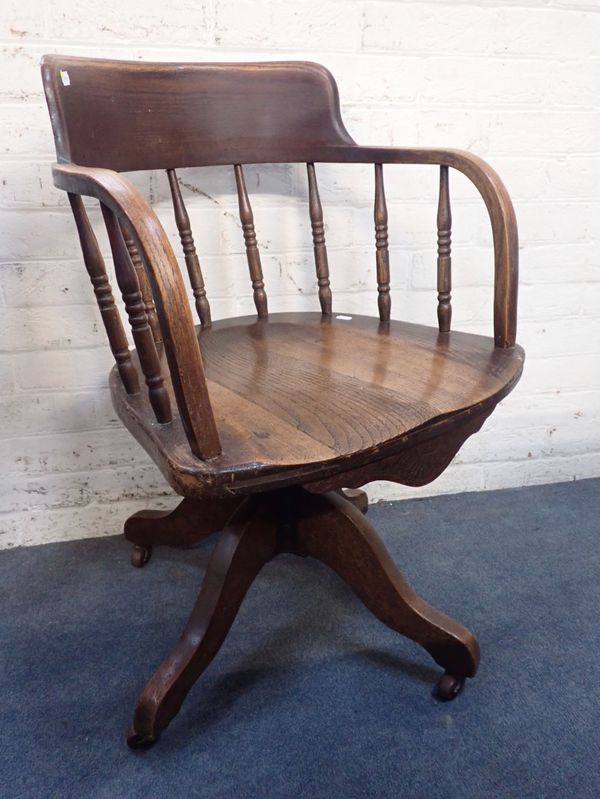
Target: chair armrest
(172, 307)
(497, 201)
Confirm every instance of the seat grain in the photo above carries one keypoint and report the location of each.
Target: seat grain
(300, 392)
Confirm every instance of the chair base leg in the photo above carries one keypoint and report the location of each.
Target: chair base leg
(329, 528)
(187, 524)
(192, 521)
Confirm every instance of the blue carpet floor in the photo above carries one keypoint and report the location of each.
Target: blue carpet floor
(311, 696)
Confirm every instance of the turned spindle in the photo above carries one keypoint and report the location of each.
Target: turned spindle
(318, 236)
(192, 261)
(444, 259)
(381, 243)
(252, 253)
(96, 269)
(140, 271)
(136, 311)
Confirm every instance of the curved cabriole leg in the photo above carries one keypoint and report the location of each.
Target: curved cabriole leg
(243, 548)
(330, 528)
(190, 522)
(333, 531)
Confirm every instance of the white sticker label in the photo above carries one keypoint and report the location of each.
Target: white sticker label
(64, 76)
(345, 318)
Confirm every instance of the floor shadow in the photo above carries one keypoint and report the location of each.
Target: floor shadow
(394, 663)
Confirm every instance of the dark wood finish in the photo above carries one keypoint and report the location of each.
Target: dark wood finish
(186, 367)
(423, 459)
(140, 329)
(324, 400)
(187, 524)
(326, 527)
(94, 263)
(318, 236)
(192, 262)
(163, 110)
(194, 520)
(333, 531)
(243, 548)
(252, 253)
(280, 418)
(127, 115)
(444, 261)
(146, 292)
(384, 300)
(181, 344)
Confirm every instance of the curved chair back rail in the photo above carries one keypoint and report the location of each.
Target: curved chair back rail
(114, 116)
(126, 116)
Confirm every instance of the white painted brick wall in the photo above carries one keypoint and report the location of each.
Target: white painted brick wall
(516, 82)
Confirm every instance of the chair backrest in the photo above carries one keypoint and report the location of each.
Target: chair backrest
(126, 115)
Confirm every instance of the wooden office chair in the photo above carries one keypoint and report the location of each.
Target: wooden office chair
(262, 423)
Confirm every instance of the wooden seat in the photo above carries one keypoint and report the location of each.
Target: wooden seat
(310, 403)
(267, 425)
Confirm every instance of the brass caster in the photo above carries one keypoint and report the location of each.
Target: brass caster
(140, 556)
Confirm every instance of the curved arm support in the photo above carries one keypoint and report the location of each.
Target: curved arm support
(177, 326)
(497, 201)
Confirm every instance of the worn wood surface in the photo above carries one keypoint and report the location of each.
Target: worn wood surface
(424, 457)
(179, 115)
(321, 397)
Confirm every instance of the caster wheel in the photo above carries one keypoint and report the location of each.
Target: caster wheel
(448, 687)
(137, 741)
(140, 556)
